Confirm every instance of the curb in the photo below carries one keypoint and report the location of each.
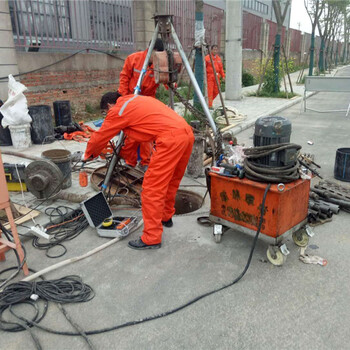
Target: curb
(244, 126)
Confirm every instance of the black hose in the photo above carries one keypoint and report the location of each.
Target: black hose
(270, 174)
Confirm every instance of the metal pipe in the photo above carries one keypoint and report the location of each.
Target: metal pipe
(335, 208)
(193, 79)
(137, 89)
(113, 163)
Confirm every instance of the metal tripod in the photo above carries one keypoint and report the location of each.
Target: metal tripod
(165, 28)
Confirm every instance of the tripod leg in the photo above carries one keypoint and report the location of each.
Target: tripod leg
(137, 89)
(193, 80)
(113, 163)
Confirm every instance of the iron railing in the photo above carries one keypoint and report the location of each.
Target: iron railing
(70, 24)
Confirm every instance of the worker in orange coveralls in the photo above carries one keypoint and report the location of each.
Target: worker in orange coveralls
(146, 119)
(127, 83)
(213, 90)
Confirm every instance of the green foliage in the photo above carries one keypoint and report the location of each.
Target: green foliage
(269, 78)
(247, 79)
(302, 81)
(190, 117)
(91, 109)
(280, 94)
(223, 85)
(163, 94)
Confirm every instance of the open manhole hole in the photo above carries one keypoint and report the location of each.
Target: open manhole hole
(187, 202)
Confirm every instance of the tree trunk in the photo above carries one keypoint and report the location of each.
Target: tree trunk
(312, 52)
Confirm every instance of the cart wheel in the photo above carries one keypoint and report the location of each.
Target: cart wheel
(279, 258)
(300, 238)
(217, 238)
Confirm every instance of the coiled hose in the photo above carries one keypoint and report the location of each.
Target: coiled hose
(265, 173)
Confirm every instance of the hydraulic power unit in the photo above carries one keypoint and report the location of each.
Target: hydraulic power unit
(237, 203)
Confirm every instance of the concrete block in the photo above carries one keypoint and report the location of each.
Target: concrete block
(7, 56)
(139, 15)
(6, 39)
(3, 90)
(4, 6)
(6, 70)
(149, 26)
(5, 22)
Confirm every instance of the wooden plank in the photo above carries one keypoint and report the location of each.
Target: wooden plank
(23, 211)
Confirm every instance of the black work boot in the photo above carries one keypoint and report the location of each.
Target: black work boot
(168, 223)
(138, 244)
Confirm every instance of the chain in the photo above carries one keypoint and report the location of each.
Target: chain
(191, 108)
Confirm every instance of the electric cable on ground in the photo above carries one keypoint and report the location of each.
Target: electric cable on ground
(172, 311)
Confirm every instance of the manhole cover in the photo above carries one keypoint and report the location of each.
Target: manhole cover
(187, 202)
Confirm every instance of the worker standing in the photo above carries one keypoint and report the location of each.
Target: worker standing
(146, 119)
(127, 83)
(213, 89)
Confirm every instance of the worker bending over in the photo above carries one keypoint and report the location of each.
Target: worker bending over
(213, 89)
(127, 83)
(146, 119)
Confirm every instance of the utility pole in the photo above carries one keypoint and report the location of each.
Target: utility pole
(199, 40)
(233, 89)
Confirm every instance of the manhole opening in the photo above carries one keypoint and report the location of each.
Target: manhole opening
(187, 202)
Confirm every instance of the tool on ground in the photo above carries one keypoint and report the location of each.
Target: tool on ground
(83, 176)
(100, 216)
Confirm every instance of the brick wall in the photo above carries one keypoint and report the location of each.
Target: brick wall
(79, 87)
(81, 79)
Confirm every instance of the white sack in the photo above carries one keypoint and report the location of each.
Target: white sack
(15, 109)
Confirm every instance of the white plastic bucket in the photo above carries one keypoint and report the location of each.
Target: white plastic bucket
(20, 135)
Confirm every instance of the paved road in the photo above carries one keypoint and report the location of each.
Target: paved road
(296, 306)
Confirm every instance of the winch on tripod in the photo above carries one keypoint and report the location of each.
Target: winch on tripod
(167, 65)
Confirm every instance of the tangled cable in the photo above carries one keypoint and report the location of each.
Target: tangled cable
(68, 289)
(265, 173)
(65, 224)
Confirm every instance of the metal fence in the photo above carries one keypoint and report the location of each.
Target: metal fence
(72, 24)
(184, 22)
(295, 40)
(213, 18)
(251, 31)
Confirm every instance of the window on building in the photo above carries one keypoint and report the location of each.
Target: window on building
(256, 5)
(72, 23)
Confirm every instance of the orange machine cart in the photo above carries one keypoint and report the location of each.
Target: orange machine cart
(236, 203)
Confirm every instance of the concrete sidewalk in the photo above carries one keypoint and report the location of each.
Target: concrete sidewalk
(296, 306)
(255, 107)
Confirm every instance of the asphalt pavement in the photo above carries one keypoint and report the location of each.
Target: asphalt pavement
(295, 306)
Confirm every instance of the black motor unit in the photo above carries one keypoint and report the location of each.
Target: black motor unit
(270, 131)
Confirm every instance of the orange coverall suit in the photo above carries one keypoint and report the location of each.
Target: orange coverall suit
(146, 119)
(127, 83)
(212, 87)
